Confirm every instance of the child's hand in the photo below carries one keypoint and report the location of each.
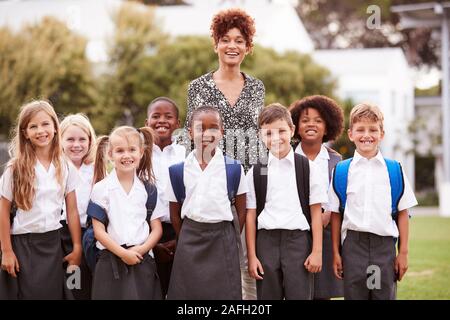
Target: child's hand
(326, 216)
(401, 265)
(131, 257)
(73, 258)
(139, 249)
(255, 269)
(10, 263)
(337, 267)
(314, 262)
(165, 251)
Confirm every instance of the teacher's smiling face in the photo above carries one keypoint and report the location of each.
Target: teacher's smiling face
(232, 48)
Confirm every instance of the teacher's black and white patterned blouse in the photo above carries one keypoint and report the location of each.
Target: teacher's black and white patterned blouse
(240, 121)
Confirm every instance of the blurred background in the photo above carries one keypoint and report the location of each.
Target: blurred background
(110, 58)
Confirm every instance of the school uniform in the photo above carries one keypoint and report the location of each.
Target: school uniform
(326, 285)
(368, 233)
(35, 236)
(161, 161)
(128, 227)
(206, 264)
(283, 241)
(83, 193)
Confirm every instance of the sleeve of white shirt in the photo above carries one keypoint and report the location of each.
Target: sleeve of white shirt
(158, 212)
(317, 192)
(72, 178)
(408, 199)
(243, 188)
(6, 188)
(251, 197)
(98, 195)
(169, 195)
(333, 200)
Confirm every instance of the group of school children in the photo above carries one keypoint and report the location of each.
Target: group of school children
(167, 225)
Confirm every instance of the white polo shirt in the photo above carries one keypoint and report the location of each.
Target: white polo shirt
(206, 190)
(283, 209)
(127, 213)
(45, 214)
(368, 207)
(161, 161)
(83, 192)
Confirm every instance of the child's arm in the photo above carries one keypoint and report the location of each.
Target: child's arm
(128, 256)
(336, 222)
(254, 265)
(314, 262)
(9, 259)
(240, 204)
(152, 239)
(175, 216)
(73, 222)
(401, 261)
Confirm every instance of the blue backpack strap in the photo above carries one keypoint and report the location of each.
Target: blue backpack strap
(233, 173)
(397, 184)
(152, 198)
(94, 211)
(340, 181)
(176, 174)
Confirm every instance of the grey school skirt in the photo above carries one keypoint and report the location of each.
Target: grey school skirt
(326, 285)
(206, 264)
(115, 280)
(41, 275)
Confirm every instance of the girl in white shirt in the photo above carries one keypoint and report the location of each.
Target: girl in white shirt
(78, 142)
(125, 268)
(319, 119)
(37, 181)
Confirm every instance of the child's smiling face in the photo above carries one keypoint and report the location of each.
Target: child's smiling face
(367, 135)
(206, 130)
(125, 152)
(163, 119)
(311, 126)
(277, 137)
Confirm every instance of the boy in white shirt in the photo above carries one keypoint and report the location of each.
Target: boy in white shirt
(365, 225)
(283, 206)
(206, 264)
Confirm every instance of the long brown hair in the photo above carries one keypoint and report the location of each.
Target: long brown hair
(23, 155)
(145, 168)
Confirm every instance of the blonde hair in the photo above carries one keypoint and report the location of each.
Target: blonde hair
(81, 121)
(23, 156)
(145, 169)
(366, 111)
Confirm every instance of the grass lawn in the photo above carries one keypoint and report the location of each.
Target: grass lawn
(428, 276)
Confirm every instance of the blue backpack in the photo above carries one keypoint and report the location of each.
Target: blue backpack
(94, 211)
(233, 173)
(340, 181)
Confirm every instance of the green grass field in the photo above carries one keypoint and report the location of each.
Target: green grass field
(428, 276)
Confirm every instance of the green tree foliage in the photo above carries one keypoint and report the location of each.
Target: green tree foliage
(343, 24)
(343, 145)
(44, 60)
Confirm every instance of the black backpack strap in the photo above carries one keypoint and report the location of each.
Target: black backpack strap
(260, 183)
(334, 159)
(302, 176)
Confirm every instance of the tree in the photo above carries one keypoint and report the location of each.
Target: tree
(343, 24)
(44, 60)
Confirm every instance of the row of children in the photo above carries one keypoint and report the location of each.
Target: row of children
(193, 232)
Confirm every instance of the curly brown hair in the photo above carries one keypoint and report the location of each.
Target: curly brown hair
(328, 109)
(228, 19)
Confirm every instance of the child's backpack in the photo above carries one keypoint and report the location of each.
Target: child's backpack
(95, 211)
(260, 172)
(340, 181)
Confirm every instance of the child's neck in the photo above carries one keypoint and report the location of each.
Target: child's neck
(163, 143)
(311, 150)
(368, 155)
(280, 156)
(227, 73)
(44, 156)
(126, 179)
(202, 158)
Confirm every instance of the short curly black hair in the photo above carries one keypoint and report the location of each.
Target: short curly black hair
(226, 20)
(328, 109)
